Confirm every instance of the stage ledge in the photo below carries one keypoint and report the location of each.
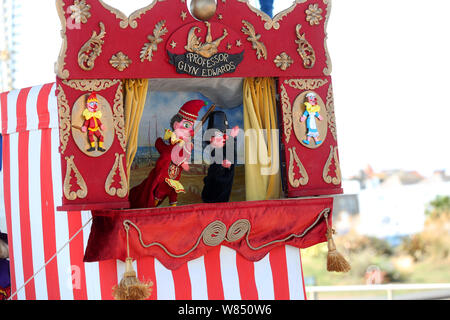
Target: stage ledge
(176, 235)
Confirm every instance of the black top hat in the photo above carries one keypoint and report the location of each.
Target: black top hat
(218, 120)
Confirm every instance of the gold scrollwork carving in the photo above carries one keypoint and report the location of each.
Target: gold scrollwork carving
(80, 193)
(283, 61)
(123, 190)
(91, 85)
(275, 21)
(328, 68)
(325, 174)
(60, 63)
(306, 84)
(91, 49)
(249, 30)
(64, 119)
(305, 50)
(330, 112)
(287, 113)
(305, 178)
(118, 118)
(131, 20)
(151, 46)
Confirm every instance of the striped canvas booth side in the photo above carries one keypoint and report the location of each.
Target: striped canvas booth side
(47, 247)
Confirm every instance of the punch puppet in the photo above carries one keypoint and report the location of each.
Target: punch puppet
(175, 152)
(92, 123)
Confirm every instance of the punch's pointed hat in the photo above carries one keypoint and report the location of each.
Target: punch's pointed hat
(190, 109)
(92, 98)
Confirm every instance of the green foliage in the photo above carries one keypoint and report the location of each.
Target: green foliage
(438, 207)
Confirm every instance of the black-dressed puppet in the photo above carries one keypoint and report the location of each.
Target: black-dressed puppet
(219, 180)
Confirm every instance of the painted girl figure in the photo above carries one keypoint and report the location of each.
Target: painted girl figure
(312, 112)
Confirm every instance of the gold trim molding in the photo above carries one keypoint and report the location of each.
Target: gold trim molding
(305, 178)
(305, 50)
(92, 49)
(91, 85)
(275, 21)
(249, 30)
(64, 119)
(287, 113)
(60, 63)
(326, 177)
(80, 193)
(123, 190)
(119, 118)
(131, 20)
(306, 84)
(327, 70)
(330, 112)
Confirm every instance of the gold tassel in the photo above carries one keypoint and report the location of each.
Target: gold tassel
(130, 288)
(335, 260)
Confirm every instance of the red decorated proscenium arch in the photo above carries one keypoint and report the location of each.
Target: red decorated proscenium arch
(102, 47)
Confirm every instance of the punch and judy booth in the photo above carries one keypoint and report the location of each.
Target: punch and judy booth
(112, 183)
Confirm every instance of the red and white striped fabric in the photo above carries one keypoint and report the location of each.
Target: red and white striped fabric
(37, 232)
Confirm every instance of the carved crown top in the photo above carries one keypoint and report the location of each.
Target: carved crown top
(101, 42)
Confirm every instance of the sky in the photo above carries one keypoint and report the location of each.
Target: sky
(390, 76)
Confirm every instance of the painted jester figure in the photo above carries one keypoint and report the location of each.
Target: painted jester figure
(175, 152)
(92, 123)
(312, 111)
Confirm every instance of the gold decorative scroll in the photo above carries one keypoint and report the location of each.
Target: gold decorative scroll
(283, 61)
(275, 21)
(91, 85)
(328, 68)
(80, 193)
(216, 232)
(330, 112)
(305, 50)
(64, 119)
(287, 113)
(131, 20)
(123, 190)
(120, 61)
(60, 63)
(304, 179)
(249, 30)
(325, 174)
(118, 118)
(306, 84)
(151, 46)
(91, 49)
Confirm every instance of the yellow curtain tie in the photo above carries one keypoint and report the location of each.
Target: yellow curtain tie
(175, 184)
(88, 114)
(312, 109)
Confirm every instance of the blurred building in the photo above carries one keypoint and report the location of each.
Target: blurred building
(9, 14)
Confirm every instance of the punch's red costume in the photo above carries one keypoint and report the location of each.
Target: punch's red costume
(93, 123)
(163, 180)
